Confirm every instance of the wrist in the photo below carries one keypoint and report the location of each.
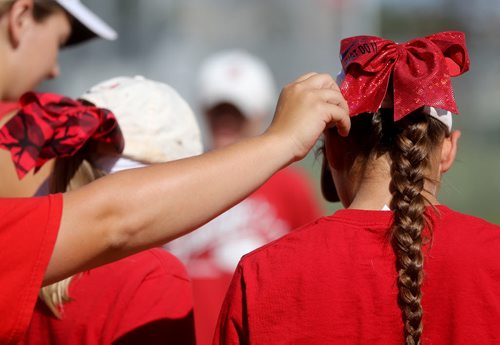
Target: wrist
(280, 148)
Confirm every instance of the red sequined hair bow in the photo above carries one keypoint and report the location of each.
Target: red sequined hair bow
(51, 126)
(420, 71)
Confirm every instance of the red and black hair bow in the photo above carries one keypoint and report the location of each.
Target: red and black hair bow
(51, 126)
(420, 71)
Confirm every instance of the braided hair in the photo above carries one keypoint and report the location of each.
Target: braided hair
(408, 143)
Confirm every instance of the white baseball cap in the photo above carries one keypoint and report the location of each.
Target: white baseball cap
(157, 123)
(238, 78)
(87, 25)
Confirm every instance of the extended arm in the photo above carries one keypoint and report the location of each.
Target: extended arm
(130, 211)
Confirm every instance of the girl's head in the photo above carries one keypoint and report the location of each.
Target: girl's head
(400, 142)
(32, 32)
(366, 155)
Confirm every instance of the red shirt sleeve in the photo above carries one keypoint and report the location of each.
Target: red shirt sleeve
(232, 327)
(28, 231)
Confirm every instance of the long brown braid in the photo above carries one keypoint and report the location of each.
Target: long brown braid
(409, 143)
(413, 139)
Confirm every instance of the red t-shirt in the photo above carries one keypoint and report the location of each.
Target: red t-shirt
(334, 282)
(211, 253)
(143, 299)
(28, 232)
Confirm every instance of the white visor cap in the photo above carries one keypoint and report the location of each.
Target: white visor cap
(88, 25)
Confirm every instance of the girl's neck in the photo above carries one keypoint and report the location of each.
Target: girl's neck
(371, 194)
(371, 191)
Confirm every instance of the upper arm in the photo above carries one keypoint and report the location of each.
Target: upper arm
(82, 241)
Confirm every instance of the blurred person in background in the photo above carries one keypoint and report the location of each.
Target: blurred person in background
(145, 298)
(32, 33)
(237, 95)
(396, 266)
(49, 238)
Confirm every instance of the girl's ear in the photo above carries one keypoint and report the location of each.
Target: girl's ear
(19, 18)
(449, 151)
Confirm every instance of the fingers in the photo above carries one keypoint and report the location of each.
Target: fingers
(304, 77)
(333, 96)
(337, 108)
(338, 118)
(305, 108)
(317, 81)
(335, 86)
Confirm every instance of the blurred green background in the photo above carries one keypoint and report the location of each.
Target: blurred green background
(167, 39)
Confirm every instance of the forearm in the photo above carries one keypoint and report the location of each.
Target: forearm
(168, 200)
(141, 208)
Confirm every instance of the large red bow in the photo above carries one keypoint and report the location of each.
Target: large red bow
(50, 126)
(420, 70)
